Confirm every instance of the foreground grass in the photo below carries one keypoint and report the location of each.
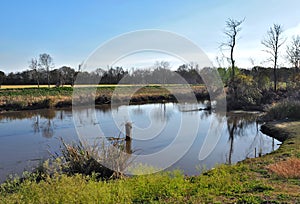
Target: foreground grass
(224, 184)
(250, 181)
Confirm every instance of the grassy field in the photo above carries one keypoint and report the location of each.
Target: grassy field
(24, 86)
(87, 85)
(273, 178)
(26, 97)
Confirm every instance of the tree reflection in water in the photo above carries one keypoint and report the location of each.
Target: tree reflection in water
(44, 121)
(237, 123)
(47, 129)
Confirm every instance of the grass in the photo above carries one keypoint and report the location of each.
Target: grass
(98, 159)
(224, 184)
(20, 98)
(24, 86)
(289, 168)
(87, 85)
(284, 110)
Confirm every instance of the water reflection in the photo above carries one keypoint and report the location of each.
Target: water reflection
(236, 126)
(28, 135)
(161, 114)
(47, 128)
(46, 125)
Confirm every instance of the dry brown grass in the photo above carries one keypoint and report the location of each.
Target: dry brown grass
(24, 86)
(286, 169)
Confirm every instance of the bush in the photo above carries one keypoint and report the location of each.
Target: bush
(283, 110)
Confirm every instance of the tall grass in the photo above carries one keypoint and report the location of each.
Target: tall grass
(283, 110)
(286, 169)
(100, 159)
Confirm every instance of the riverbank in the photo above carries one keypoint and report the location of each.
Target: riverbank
(251, 181)
(61, 97)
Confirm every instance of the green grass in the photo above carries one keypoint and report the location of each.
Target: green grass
(222, 184)
(36, 91)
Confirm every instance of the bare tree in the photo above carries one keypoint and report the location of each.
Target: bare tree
(231, 31)
(46, 62)
(162, 68)
(233, 27)
(273, 42)
(219, 61)
(293, 52)
(252, 61)
(33, 65)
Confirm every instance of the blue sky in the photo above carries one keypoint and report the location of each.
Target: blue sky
(69, 30)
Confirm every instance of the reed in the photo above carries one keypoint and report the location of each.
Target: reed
(104, 160)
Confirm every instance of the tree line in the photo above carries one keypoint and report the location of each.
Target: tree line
(41, 70)
(160, 73)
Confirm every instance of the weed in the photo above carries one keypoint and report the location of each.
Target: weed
(286, 169)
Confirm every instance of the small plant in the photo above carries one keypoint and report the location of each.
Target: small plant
(286, 169)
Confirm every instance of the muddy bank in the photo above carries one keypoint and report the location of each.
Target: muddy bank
(276, 130)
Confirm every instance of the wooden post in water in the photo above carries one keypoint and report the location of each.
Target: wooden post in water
(128, 128)
(128, 146)
(260, 152)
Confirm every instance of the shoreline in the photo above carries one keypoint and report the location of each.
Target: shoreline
(43, 98)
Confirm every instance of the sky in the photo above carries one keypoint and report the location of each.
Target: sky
(70, 30)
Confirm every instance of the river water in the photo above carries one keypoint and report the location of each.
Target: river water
(27, 137)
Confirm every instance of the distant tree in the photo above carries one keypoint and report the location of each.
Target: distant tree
(262, 77)
(33, 65)
(2, 76)
(273, 42)
(75, 74)
(66, 75)
(293, 52)
(46, 63)
(233, 27)
(190, 72)
(161, 71)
